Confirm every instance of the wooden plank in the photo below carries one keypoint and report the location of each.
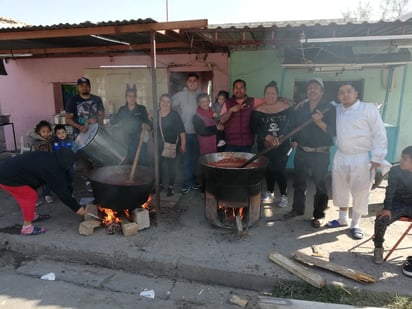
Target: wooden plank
(279, 303)
(344, 271)
(237, 300)
(302, 272)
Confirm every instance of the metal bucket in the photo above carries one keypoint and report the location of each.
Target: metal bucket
(99, 147)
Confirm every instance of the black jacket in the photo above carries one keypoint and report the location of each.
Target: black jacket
(399, 188)
(37, 168)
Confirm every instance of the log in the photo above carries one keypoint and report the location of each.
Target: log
(235, 299)
(91, 212)
(87, 227)
(302, 272)
(344, 271)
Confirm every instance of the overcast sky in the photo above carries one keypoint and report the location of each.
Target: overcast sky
(48, 12)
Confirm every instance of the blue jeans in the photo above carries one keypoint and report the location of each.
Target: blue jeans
(398, 210)
(190, 160)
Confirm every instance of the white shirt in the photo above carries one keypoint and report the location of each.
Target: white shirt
(360, 129)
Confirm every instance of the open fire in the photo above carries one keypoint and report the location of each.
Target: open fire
(230, 216)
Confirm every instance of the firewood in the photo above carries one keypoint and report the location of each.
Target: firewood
(91, 212)
(344, 271)
(235, 299)
(300, 271)
(87, 227)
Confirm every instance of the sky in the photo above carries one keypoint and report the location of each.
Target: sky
(49, 12)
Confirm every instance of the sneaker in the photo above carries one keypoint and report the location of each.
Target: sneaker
(89, 186)
(221, 143)
(170, 191)
(378, 255)
(407, 267)
(48, 199)
(185, 190)
(283, 201)
(268, 197)
(196, 186)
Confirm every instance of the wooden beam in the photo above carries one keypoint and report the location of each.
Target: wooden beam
(101, 30)
(344, 271)
(94, 49)
(303, 273)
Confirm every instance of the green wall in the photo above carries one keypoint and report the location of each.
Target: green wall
(258, 68)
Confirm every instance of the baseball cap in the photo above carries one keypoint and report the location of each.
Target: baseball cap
(83, 80)
(316, 80)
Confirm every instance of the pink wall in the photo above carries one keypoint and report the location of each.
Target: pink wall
(27, 91)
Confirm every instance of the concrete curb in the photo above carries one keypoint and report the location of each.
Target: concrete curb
(181, 268)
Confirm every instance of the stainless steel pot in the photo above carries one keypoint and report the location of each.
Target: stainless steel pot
(98, 146)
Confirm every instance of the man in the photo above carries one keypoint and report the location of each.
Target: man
(361, 148)
(236, 116)
(22, 175)
(397, 203)
(185, 103)
(84, 108)
(312, 146)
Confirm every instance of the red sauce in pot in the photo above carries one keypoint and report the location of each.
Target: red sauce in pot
(233, 163)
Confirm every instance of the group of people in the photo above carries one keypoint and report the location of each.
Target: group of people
(195, 126)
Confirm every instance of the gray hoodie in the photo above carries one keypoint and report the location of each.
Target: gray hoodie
(185, 103)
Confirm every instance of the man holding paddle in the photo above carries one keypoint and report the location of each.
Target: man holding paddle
(312, 150)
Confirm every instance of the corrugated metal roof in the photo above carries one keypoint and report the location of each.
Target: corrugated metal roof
(11, 23)
(64, 39)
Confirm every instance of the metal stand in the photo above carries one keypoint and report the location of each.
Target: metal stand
(14, 134)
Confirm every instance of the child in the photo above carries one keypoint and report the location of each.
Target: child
(41, 140)
(217, 106)
(205, 125)
(61, 140)
(397, 203)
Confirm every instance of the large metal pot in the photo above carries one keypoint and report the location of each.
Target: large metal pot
(112, 189)
(98, 146)
(232, 184)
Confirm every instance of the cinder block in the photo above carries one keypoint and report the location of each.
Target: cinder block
(87, 227)
(141, 217)
(129, 228)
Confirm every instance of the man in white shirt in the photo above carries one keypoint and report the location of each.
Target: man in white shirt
(361, 148)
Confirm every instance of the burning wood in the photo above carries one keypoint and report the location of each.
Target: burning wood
(232, 216)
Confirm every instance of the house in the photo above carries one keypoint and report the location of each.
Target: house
(43, 61)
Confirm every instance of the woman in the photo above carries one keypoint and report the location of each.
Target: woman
(133, 118)
(268, 122)
(171, 131)
(205, 125)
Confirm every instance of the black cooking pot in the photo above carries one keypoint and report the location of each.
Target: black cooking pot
(232, 184)
(112, 189)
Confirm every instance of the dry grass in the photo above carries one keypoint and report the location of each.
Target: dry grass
(340, 295)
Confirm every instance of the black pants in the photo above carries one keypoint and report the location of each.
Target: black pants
(170, 165)
(317, 163)
(381, 224)
(276, 172)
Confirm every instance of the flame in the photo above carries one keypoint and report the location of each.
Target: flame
(147, 203)
(110, 215)
(232, 212)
